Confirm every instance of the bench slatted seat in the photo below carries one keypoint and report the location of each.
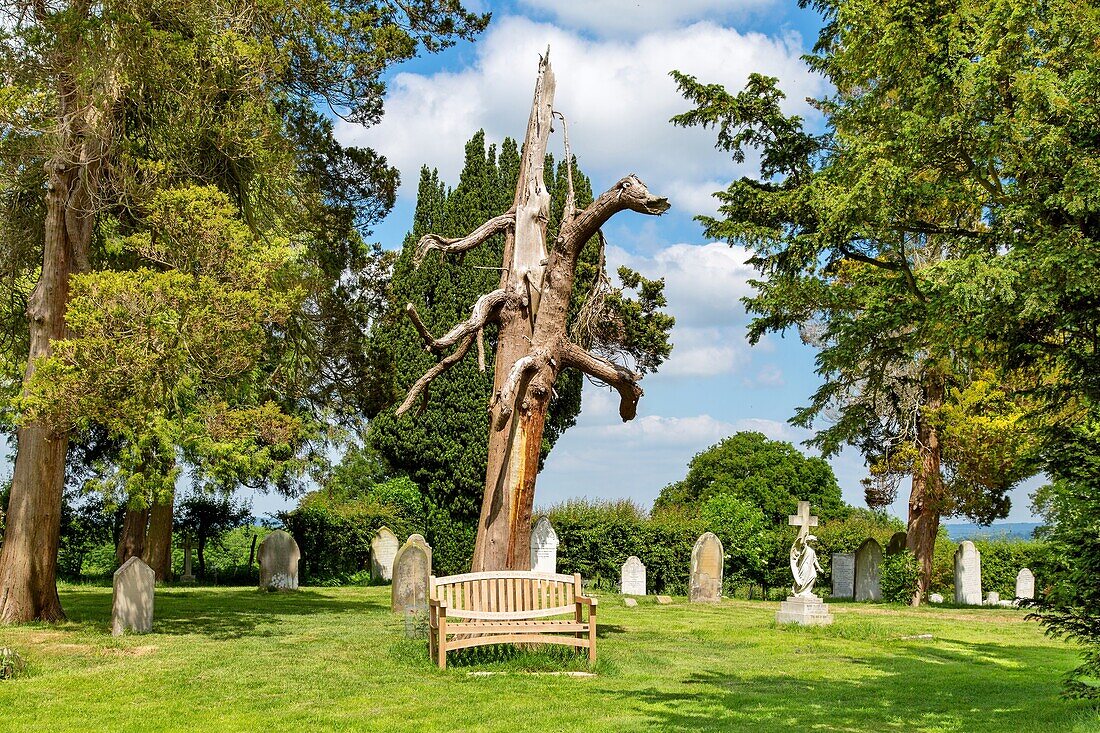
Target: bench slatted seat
(508, 607)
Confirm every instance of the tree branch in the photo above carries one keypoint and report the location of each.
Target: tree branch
(422, 384)
(515, 385)
(484, 310)
(615, 375)
(430, 242)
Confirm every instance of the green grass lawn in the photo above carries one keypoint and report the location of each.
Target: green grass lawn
(336, 659)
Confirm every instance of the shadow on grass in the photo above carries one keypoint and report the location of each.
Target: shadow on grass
(227, 614)
(952, 686)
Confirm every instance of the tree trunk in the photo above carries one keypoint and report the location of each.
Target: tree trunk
(926, 496)
(158, 540)
(135, 527)
(28, 558)
(202, 557)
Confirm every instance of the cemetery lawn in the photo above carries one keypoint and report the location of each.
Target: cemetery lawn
(336, 659)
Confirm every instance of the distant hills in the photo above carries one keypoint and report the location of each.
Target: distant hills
(1015, 530)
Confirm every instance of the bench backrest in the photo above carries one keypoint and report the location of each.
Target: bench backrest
(506, 594)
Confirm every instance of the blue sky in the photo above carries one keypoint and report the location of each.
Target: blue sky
(611, 59)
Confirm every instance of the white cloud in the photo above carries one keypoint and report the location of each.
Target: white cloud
(630, 17)
(616, 94)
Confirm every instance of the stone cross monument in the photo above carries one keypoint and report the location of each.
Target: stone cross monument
(803, 606)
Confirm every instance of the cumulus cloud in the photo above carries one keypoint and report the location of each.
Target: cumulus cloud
(626, 17)
(616, 94)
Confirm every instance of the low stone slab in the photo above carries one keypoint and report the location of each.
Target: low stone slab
(664, 600)
(805, 611)
(935, 598)
(132, 604)
(630, 603)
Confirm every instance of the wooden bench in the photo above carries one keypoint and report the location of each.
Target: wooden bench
(508, 607)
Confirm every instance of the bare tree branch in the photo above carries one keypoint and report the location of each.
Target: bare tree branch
(484, 310)
(425, 381)
(431, 242)
(515, 385)
(570, 209)
(614, 375)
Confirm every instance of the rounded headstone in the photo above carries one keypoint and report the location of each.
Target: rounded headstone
(935, 598)
(896, 544)
(633, 577)
(707, 561)
(1025, 583)
(544, 547)
(383, 549)
(968, 575)
(868, 560)
(412, 567)
(278, 557)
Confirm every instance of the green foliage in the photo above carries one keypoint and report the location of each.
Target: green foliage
(769, 474)
(11, 664)
(203, 518)
(846, 534)
(741, 528)
(898, 577)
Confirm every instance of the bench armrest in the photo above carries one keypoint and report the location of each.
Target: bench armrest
(585, 600)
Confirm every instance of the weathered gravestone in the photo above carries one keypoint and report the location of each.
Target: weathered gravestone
(544, 547)
(935, 598)
(132, 607)
(279, 556)
(412, 567)
(992, 598)
(383, 549)
(630, 603)
(1025, 583)
(844, 575)
(868, 561)
(896, 543)
(707, 560)
(968, 575)
(188, 576)
(633, 577)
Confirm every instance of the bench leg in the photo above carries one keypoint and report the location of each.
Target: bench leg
(441, 643)
(591, 634)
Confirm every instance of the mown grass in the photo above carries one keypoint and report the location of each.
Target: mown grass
(336, 659)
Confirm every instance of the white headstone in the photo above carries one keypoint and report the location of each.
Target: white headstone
(844, 575)
(132, 606)
(544, 547)
(633, 577)
(1025, 584)
(935, 598)
(383, 549)
(968, 575)
(279, 556)
(992, 598)
(868, 560)
(707, 562)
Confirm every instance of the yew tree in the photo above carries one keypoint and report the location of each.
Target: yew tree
(107, 102)
(936, 241)
(536, 340)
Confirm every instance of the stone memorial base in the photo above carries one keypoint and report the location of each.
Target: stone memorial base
(810, 611)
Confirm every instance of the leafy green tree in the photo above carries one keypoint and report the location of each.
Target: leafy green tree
(203, 518)
(743, 532)
(771, 475)
(942, 226)
(106, 103)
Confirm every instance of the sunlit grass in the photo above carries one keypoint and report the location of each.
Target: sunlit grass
(336, 659)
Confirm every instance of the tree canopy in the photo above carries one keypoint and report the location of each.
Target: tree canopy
(770, 475)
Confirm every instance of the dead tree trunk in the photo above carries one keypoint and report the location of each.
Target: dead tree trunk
(926, 496)
(531, 308)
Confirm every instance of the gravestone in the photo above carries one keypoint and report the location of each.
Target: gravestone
(279, 556)
(868, 560)
(935, 598)
(544, 547)
(992, 598)
(664, 600)
(412, 566)
(896, 543)
(968, 575)
(1025, 583)
(188, 576)
(707, 560)
(844, 575)
(383, 549)
(630, 603)
(633, 577)
(132, 606)
(803, 606)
